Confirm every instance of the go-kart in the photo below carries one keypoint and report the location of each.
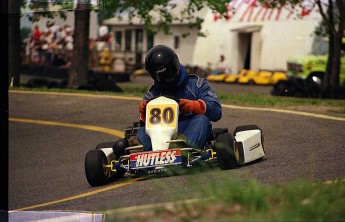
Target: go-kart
(112, 160)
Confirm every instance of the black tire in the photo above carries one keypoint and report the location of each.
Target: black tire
(119, 148)
(225, 151)
(38, 82)
(245, 128)
(281, 88)
(96, 173)
(105, 145)
(251, 82)
(107, 85)
(320, 75)
(313, 84)
(120, 173)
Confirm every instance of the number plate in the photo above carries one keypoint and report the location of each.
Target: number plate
(161, 115)
(157, 158)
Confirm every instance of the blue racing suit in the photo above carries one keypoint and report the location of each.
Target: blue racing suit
(197, 128)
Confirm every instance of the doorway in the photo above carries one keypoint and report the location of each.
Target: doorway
(247, 59)
(248, 43)
(245, 44)
(138, 48)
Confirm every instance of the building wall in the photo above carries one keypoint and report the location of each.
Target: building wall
(285, 39)
(271, 46)
(186, 46)
(219, 40)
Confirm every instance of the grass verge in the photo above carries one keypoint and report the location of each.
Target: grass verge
(242, 99)
(249, 201)
(260, 100)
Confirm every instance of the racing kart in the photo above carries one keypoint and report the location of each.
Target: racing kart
(112, 160)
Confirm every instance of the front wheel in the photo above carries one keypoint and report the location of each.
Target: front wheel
(225, 151)
(96, 172)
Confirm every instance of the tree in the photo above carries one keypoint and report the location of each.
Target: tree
(80, 57)
(335, 27)
(333, 17)
(139, 8)
(14, 42)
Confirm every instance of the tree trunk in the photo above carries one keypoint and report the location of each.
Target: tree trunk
(331, 79)
(335, 63)
(14, 60)
(78, 72)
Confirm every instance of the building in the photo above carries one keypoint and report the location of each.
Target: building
(257, 37)
(252, 37)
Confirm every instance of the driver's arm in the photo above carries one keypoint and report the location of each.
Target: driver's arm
(213, 106)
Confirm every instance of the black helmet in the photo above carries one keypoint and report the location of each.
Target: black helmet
(162, 64)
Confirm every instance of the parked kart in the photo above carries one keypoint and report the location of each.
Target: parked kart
(112, 160)
(217, 77)
(236, 77)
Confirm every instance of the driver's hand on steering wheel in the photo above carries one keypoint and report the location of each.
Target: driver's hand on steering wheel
(142, 107)
(142, 110)
(192, 106)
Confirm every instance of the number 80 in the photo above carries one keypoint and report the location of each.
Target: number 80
(167, 115)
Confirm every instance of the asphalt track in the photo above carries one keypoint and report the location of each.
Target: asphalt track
(49, 135)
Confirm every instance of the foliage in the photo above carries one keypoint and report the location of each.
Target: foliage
(24, 32)
(42, 9)
(333, 17)
(145, 11)
(247, 200)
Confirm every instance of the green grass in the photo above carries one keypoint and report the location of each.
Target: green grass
(296, 201)
(242, 99)
(263, 100)
(128, 91)
(302, 200)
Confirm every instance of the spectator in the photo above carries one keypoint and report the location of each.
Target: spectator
(68, 41)
(93, 54)
(103, 33)
(36, 33)
(222, 66)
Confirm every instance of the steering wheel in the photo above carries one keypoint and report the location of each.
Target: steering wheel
(170, 97)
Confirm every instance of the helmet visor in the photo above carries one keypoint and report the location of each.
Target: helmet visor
(166, 75)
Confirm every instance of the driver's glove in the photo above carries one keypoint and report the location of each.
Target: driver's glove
(142, 110)
(192, 106)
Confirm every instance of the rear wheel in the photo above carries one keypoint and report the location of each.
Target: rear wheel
(245, 128)
(225, 151)
(96, 172)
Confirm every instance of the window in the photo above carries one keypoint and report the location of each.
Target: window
(128, 36)
(118, 40)
(177, 42)
(149, 40)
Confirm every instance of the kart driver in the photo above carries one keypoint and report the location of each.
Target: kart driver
(198, 102)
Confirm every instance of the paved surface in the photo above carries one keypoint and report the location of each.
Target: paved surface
(47, 162)
(219, 87)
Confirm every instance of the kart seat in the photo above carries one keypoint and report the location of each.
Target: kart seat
(218, 131)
